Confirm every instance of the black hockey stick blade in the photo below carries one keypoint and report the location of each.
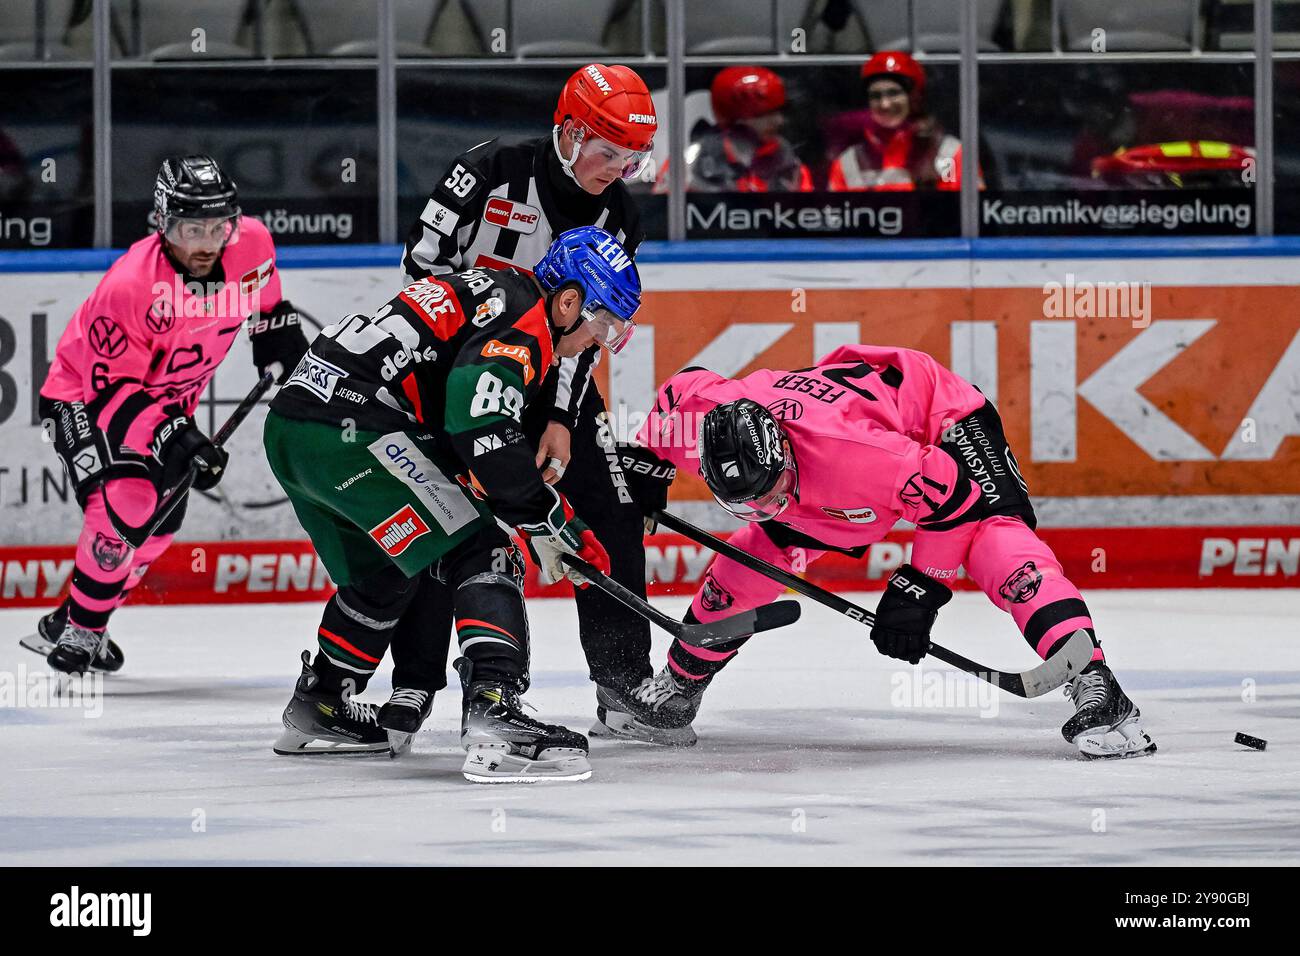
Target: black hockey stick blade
(763, 618)
(135, 536)
(1062, 666)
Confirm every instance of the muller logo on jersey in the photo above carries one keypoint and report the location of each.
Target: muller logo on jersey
(398, 531)
(515, 216)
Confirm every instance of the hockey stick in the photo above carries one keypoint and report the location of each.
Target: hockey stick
(1064, 665)
(763, 618)
(137, 536)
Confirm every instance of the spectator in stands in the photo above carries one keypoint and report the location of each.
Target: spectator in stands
(744, 151)
(903, 147)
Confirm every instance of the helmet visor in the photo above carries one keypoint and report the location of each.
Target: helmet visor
(610, 331)
(188, 233)
(617, 160)
(772, 503)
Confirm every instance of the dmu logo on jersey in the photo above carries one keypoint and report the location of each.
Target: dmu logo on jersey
(515, 216)
(397, 532)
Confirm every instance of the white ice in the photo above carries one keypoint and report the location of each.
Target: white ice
(806, 754)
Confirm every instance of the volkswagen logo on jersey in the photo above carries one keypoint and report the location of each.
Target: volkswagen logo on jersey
(106, 337)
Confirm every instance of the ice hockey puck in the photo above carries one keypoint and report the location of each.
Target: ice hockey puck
(1247, 740)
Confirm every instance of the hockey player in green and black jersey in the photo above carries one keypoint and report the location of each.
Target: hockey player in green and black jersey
(398, 442)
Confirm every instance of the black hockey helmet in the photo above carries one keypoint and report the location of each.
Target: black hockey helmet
(746, 460)
(193, 187)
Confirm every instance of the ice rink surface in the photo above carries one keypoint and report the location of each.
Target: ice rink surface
(813, 749)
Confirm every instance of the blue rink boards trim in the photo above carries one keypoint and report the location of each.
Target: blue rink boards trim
(756, 250)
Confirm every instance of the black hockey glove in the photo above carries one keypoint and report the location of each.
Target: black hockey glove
(277, 337)
(176, 443)
(648, 477)
(906, 613)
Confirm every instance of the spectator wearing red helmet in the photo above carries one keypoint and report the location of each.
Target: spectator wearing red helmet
(744, 151)
(903, 147)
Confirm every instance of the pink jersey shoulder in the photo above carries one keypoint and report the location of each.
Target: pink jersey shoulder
(251, 263)
(928, 397)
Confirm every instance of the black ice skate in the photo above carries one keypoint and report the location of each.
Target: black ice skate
(51, 627)
(505, 745)
(403, 715)
(76, 649)
(322, 723)
(657, 711)
(1105, 722)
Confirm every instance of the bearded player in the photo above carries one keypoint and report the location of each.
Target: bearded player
(127, 374)
(828, 458)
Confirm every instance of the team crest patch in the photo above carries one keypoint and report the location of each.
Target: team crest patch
(714, 597)
(398, 531)
(109, 552)
(1022, 585)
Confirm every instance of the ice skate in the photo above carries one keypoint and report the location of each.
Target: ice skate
(656, 711)
(76, 649)
(50, 627)
(1105, 722)
(322, 723)
(505, 745)
(402, 716)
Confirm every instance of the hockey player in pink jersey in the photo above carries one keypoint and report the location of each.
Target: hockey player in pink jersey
(127, 374)
(828, 458)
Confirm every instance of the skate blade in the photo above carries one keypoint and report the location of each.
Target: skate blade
(1128, 739)
(615, 725)
(487, 764)
(399, 741)
(294, 743)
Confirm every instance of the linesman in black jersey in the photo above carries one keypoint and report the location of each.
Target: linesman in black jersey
(501, 204)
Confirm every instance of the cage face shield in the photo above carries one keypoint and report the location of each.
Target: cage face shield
(189, 234)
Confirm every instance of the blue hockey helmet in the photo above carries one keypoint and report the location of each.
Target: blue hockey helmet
(596, 262)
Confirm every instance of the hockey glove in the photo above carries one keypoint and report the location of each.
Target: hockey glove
(906, 613)
(563, 532)
(176, 443)
(648, 477)
(277, 338)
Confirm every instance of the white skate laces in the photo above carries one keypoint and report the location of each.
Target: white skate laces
(653, 691)
(409, 697)
(363, 713)
(1087, 689)
(83, 639)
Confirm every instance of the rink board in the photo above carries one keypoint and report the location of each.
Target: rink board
(273, 571)
(1151, 390)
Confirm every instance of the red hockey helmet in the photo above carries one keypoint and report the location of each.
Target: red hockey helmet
(610, 105)
(901, 66)
(743, 92)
